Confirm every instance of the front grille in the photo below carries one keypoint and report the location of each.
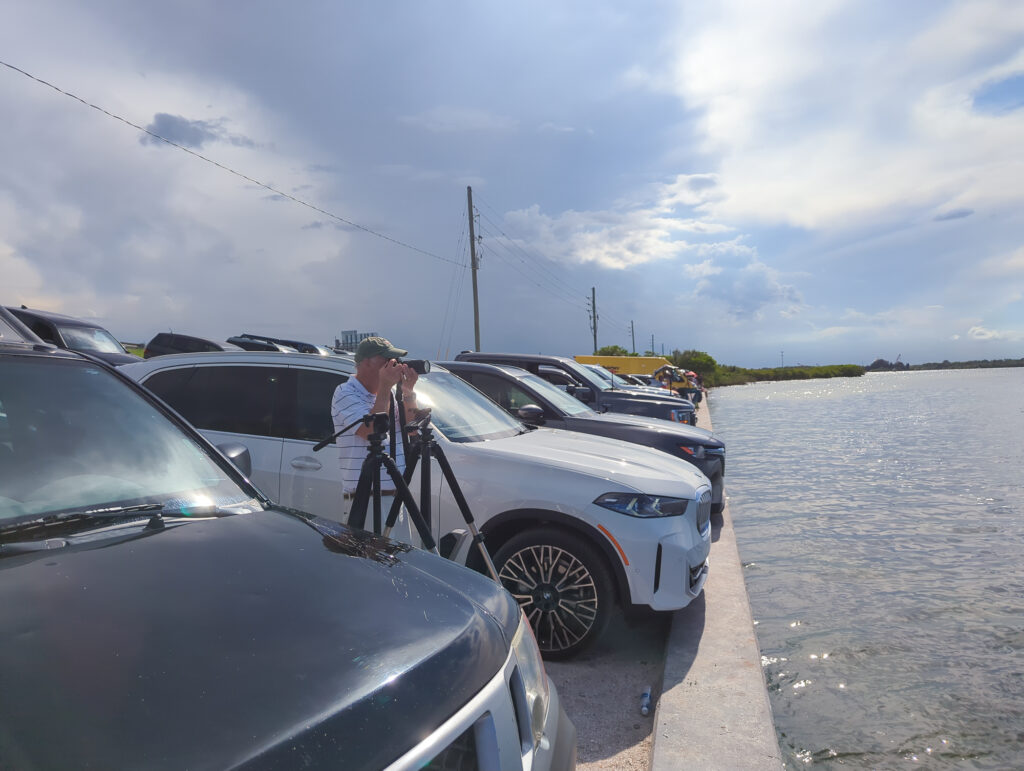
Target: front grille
(704, 512)
(460, 755)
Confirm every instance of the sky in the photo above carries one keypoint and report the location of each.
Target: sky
(772, 183)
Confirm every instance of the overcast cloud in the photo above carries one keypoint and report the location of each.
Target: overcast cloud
(840, 180)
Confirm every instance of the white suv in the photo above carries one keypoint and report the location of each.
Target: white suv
(572, 521)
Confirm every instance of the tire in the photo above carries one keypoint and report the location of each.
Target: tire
(718, 495)
(563, 586)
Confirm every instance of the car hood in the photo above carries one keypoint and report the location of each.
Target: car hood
(253, 641)
(619, 463)
(115, 359)
(684, 432)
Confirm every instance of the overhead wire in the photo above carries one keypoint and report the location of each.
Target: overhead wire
(500, 251)
(228, 169)
(540, 263)
(454, 288)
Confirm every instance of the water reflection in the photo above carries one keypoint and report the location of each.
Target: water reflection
(879, 523)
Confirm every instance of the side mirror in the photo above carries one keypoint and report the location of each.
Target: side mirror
(239, 455)
(531, 413)
(583, 393)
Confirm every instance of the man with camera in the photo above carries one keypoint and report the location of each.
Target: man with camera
(371, 390)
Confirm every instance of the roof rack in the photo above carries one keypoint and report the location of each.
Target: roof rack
(296, 344)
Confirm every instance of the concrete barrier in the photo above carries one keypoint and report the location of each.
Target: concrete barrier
(714, 712)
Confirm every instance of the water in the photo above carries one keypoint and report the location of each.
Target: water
(881, 524)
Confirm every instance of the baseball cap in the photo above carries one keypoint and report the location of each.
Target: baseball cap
(377, 346)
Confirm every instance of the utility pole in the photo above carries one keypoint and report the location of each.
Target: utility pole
(593, 315)
(652, 345)
(632, 335)
(474, 265)
(782, 359)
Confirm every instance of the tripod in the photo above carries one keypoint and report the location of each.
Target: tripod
(368, 486)
(420, 453)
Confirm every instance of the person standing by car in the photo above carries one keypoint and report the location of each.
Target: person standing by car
(378, 372)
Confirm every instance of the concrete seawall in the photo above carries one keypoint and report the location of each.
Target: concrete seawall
(714, 712)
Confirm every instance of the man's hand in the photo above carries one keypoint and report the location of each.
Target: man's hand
(391, 374)
(409, 381)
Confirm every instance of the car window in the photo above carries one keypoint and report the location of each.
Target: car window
(506, 393)
(233, 399)
(308, 415)
(584, 375)
(89, 339)
(461, 412)
(560, 399)
(76, 437)
(41, 328)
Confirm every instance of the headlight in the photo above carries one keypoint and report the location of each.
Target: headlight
(535, 680)
(696, 451)
(640, 505)
(679, 416)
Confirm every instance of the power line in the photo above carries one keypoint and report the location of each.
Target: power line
(556, 292)
(514, 243)
(228, 169)
(540, 263)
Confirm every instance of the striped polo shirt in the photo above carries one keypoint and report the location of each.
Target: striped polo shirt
(350, 402)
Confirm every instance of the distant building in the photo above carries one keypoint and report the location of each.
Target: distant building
(350, 339)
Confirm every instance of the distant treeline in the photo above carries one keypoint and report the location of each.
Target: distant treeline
(715, 374)
(884, 366)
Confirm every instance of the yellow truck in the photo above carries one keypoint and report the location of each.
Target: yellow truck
(655, 366)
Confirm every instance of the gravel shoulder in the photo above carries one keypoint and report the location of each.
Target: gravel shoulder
(601, 690)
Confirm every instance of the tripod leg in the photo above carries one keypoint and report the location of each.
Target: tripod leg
(361, 499)
(396, 504)
(402, 491)
(463, 505)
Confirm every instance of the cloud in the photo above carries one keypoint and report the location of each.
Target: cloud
(899, 134)
(448, 120)
(191, 133)
(984, 334)
(954, 214)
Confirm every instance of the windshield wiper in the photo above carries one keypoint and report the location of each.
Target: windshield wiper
(71, 522)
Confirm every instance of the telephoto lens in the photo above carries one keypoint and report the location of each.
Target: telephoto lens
(419, 366)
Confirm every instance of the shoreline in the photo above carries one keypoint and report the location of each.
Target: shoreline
(714, 712)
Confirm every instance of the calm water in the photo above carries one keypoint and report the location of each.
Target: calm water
(881, 524)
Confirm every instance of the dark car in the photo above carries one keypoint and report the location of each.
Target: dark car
(73, 334)
(159, 612)
(253, 342)
(164, 343)
(588, 387)
(538, 402)
(260, 344)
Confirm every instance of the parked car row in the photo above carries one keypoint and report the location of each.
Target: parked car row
(577, 523)
(151, 592)
(590, 492)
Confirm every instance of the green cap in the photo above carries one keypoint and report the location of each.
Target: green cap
(378, 346)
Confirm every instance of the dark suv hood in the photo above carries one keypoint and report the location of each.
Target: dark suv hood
(251, 641)
(608, 421)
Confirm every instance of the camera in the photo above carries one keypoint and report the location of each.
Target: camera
(419, 366)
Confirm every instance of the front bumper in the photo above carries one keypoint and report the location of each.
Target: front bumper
(664, 558)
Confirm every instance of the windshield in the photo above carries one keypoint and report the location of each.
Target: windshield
(611, 377)
(559, 398)
(90, 340)
(587, 376)
(460, 412)
(73, 438)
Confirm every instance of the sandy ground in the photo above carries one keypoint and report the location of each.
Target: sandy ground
(601, 691)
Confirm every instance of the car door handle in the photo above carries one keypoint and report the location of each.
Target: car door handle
(306, 463)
